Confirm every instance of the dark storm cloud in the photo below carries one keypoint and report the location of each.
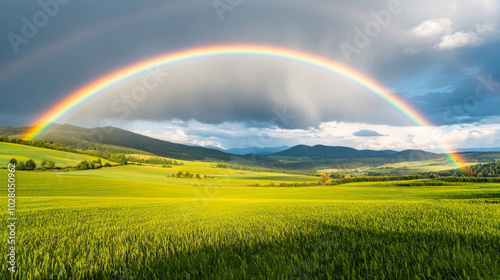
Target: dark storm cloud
(367, 133)
(473, 95)
(256, 91)
(86, 40)
(116, 33)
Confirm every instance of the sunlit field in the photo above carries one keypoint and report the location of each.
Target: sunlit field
(235, 140)
(136, 222)
(23, 153)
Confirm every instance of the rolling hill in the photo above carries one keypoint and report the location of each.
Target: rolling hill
(301, 157)
(117, 140)
(256, 150)
(318, 152)
(251, 150)
(23, 153)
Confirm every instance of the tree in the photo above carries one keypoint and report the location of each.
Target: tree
(21, 166)
(44, 164)
(222, 165)
(324, 179)
(83, 165)
(179, 174)
(30, 164)
(51, 165)
(123, 161)
(198, 176)
(48, 164)
(97, 162)
(188, 174)
(13, 161)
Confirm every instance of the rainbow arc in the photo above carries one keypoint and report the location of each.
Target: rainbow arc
(98, 86)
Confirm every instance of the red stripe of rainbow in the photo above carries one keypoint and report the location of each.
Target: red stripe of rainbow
(62, 108)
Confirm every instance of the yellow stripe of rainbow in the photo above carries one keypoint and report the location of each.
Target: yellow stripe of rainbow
(92, 89)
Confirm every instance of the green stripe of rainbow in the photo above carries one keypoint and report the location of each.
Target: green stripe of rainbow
(92, 89)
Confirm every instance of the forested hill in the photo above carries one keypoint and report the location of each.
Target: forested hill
(97, 138)
(337, 152)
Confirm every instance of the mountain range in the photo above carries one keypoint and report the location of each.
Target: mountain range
(320, 152)
(112, 138)
(106, 137)
(250, 150)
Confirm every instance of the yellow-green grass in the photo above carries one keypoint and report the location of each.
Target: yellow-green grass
(23, 153)
(416, 166)
(134, 222)
(406, 167)
(221, 177)
(141, 156)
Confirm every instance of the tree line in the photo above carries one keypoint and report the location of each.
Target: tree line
(491, 169)
(45, 165)
(261, 169)
(154, 160)
(119, 158)
(337, 178)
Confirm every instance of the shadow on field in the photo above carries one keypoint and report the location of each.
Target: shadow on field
(485, 195)
(331, 253)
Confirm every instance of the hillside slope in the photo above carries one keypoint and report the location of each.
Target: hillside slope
(338, 152)
(23, 153)
(116, 140)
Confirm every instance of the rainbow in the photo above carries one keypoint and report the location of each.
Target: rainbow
(85, 93)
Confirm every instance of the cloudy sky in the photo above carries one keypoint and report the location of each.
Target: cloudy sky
(441, 57)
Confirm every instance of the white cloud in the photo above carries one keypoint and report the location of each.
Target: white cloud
(177, 136)
(448, 34)
(486, 28)
(233, 135)
(432, 28)
(474, 37)
(459, 39)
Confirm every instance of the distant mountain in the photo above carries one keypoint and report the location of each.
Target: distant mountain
(465, 150)
(115, 140)
(257, 150)
(83, 138)
(12, 131)
(389, 152)
(338, 152)
(263, 151)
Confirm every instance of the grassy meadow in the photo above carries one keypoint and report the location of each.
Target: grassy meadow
(23, 153)
(401, 168)
(137, 222)
(414, 167)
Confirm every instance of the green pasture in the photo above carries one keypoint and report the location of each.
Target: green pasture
(136, 222)
(23, 153)
(412, 167)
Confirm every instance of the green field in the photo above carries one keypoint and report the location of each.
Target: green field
(135, 222)
(414, 167)
(23, 153)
